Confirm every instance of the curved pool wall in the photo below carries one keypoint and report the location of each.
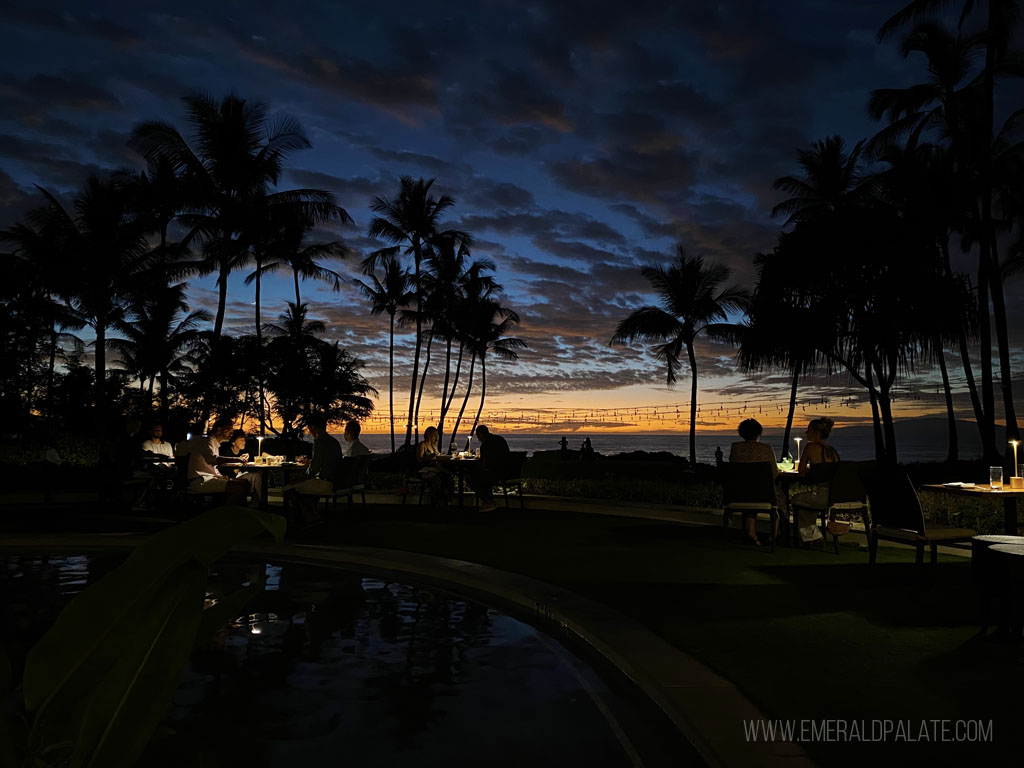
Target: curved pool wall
(329, 662)
(707, 710)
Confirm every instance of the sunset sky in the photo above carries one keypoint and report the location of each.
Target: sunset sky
(579, 140)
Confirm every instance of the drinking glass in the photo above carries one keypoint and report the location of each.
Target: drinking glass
(995, 477)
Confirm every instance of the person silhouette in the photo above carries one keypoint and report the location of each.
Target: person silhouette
(719, 456)
(564, 443)
(588, 449)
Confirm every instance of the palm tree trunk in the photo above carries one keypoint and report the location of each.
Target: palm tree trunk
(693, 403)
(1003, 342)
(789, 417)
(101, 371)
(444, 391)
(953, 450)
(965, 354)
(391, 377)
(419, 330)
(164, 395)
(222, 300)
(469, 386)
(50, 373)
(259, 345)
(423, 380)
(885, 381)
(455, 380)
(483, 393)
(985, 333)
(876, 417)
(295, 276)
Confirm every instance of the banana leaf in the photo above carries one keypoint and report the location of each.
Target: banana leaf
(130, 700)
(89, 636)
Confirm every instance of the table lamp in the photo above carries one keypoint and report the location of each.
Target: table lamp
(1016, 481)
(797, 440)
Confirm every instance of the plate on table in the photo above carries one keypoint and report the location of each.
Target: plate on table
(958, 485)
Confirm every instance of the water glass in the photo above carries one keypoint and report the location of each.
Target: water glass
(995, 477)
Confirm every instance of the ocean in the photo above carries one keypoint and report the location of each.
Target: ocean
(918, 440)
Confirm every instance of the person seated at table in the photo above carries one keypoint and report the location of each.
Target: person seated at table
(234, 448)
(156, 444)
(353, 445)
(495, 458)
(812, 502)
(434, 476)
(204, 475)
(323, 468)
(752, 450)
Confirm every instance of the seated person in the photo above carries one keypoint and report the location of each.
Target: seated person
(234, 448)
(751, 449)
(324, 467)
(204, 476)
(353, 445)
(812, 502)
(495, 459)
(427, 453)
(156, 443)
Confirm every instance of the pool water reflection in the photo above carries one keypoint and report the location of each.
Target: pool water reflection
(336, 668)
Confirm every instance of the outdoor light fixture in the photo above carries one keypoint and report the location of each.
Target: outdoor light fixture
(797, 440)
(1016, 481)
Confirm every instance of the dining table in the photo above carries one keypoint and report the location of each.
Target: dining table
(265, 468)
(785, 478)
(459, 465)
(1004, 493)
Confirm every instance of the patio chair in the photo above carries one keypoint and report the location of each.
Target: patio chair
(896, 515)
(351, 479)
(749, 488)
(514, 481)
(846, 492)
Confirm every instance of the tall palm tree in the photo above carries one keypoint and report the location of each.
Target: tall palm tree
(388, 293)
(693, 298)
(105, 246)
(160, 337)
(1000, 21)
(832, 180)
(235, 156)
(287, 250)
(411, 221)
(491, 338)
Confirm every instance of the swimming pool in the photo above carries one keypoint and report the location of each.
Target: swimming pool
(331, 667)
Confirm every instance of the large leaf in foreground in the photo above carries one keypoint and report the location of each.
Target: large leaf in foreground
(86, 641)
(129, 701)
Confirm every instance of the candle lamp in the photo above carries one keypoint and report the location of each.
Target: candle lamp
(1016, 481)
(797, 440)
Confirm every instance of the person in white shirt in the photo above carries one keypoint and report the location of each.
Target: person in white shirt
(156, 444)
(353, 445)
(203, 475)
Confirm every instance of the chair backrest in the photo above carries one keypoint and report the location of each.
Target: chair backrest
(894, 501)
(847, 485)
(748, 483)
(181, 472)
(514, 466)
(352, 471)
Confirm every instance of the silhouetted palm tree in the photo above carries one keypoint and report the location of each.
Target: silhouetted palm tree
(237, 157)
(160, 337)
(491, 338)
(693, 297)
(832, 180)
(1000, 21)
(105, 247)
(388, 293)
(411, 220)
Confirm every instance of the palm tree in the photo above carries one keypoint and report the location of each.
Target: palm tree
(491, 338)
(411, 220)
(160, 337)
(692, 299)
(388, 293)
(286, 250)
(1000, 19)
(237, 157)
(832, 180)
(105, 247)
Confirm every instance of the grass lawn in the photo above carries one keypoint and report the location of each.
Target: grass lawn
(805, 634)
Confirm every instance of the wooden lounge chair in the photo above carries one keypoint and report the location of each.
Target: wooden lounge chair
(896, 515)
(749, 488)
